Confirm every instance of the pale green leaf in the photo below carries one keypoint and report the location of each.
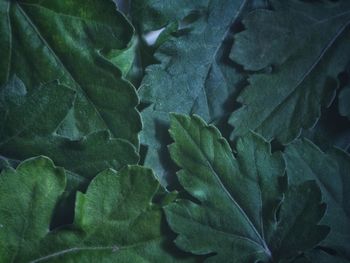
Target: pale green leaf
(28, 196)
(115, 220)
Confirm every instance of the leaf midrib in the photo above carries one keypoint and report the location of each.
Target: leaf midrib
(230, 235)
(221, 184)
(77, 84)
(303, 77)
(114, 248)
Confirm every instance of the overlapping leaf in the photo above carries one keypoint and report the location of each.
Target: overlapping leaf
(242, 203)
(152, 15)
(332, 172)
(193, 74)
(42, 41)
(115, 221)
(29, 195)
(29, 127)
(301, 47)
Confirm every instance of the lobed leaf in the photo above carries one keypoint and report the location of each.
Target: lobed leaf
(115, 220)
(29, 128)
(301, 47)
(42, 41)
(332, 172)
(242, 203)
(193, 74)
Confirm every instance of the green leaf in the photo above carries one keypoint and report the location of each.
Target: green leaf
(28, 197)
(42, 41)
(124, 59)
(29, 128)
(332, 130)
(64, 210)
(300, 48)
(242, 202)
(38, 112)
(115, 220)
(193, 74)
(85, 156)
(332, 172)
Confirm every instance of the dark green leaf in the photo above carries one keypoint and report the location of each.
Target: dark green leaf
(194, 74)
(38, 112)
(301, 46)
(243, 205)
(42, 41)
(331, 130)
(332, 172)
(29, 127)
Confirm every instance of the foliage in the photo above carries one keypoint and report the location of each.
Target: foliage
(225, 139)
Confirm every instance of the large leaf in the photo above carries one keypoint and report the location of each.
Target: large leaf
(115, 221)
(193, 74)
(301, 46)
(30, 120)
(70, 41)
(242, 203)
(332, 172)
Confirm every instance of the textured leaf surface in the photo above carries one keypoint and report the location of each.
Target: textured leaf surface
(301, 48)
(151, 15)
(42, 41)
(332, 172)
(115, 221)
(28, 196)
(238, 199)
(193, 74)
(29, 128)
